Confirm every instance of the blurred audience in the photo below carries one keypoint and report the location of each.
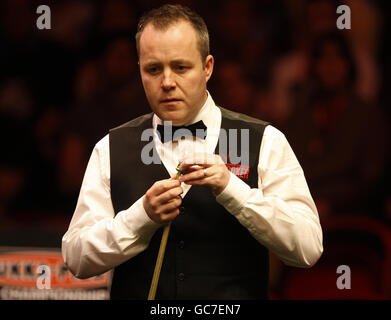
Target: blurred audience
(340, 140)
(106, 91)
(292, 69)
(16, 107)
(116, 16)
(233, 89)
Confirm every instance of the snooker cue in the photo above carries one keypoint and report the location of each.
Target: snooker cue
(159, 262)
(160, 256)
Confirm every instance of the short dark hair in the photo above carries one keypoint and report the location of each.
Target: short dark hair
(167, 15)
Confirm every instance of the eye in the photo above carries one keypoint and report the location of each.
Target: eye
(152, 70)
(181, 68)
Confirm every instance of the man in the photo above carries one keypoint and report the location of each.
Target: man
(222, 225)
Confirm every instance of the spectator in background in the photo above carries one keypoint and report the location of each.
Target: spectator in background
(339, 139)
(16, 107)
(292, 71)
(104, 91)
(251, 34)
(233, 87)
(116, 16)
(263, 106)
(364, 37)
(110, 80)
(17, 39)
(60, 50)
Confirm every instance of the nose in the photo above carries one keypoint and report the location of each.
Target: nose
(168, 81)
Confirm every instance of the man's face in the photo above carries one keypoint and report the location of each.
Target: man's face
(172, 72)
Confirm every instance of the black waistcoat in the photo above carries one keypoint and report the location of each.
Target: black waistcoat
(209, 254)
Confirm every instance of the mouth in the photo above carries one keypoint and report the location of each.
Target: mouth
(170, 100)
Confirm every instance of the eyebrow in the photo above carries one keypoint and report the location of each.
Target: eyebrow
(181, 61)
(175, 61)
(151, 63)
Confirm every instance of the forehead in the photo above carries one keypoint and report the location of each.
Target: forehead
(179, 40)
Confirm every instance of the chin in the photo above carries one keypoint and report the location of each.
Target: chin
(176, 117)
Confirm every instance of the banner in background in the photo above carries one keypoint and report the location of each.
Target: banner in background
(28, 273)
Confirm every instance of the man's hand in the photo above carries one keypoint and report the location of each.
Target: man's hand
(205, 169)
(162, 200)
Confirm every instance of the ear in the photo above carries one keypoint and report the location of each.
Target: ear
(209, 63)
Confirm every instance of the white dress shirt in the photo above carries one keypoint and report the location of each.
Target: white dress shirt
(280, 213)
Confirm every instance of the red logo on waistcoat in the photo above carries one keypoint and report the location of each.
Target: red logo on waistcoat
(239, 170)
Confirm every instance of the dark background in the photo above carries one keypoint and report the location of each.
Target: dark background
(282, 61)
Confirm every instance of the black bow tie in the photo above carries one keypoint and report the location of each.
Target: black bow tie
(168, 133)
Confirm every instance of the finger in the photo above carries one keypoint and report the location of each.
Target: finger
(176, 175)
(200, 182)
(169, 206)
(200, 159)
(206, 181)
(195, 175)
(169, 195)
(166, 217)
(162, 186)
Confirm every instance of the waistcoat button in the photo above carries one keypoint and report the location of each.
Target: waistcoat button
(181, 276)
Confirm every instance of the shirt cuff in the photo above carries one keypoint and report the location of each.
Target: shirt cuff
(235, 195)
(138, 221)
